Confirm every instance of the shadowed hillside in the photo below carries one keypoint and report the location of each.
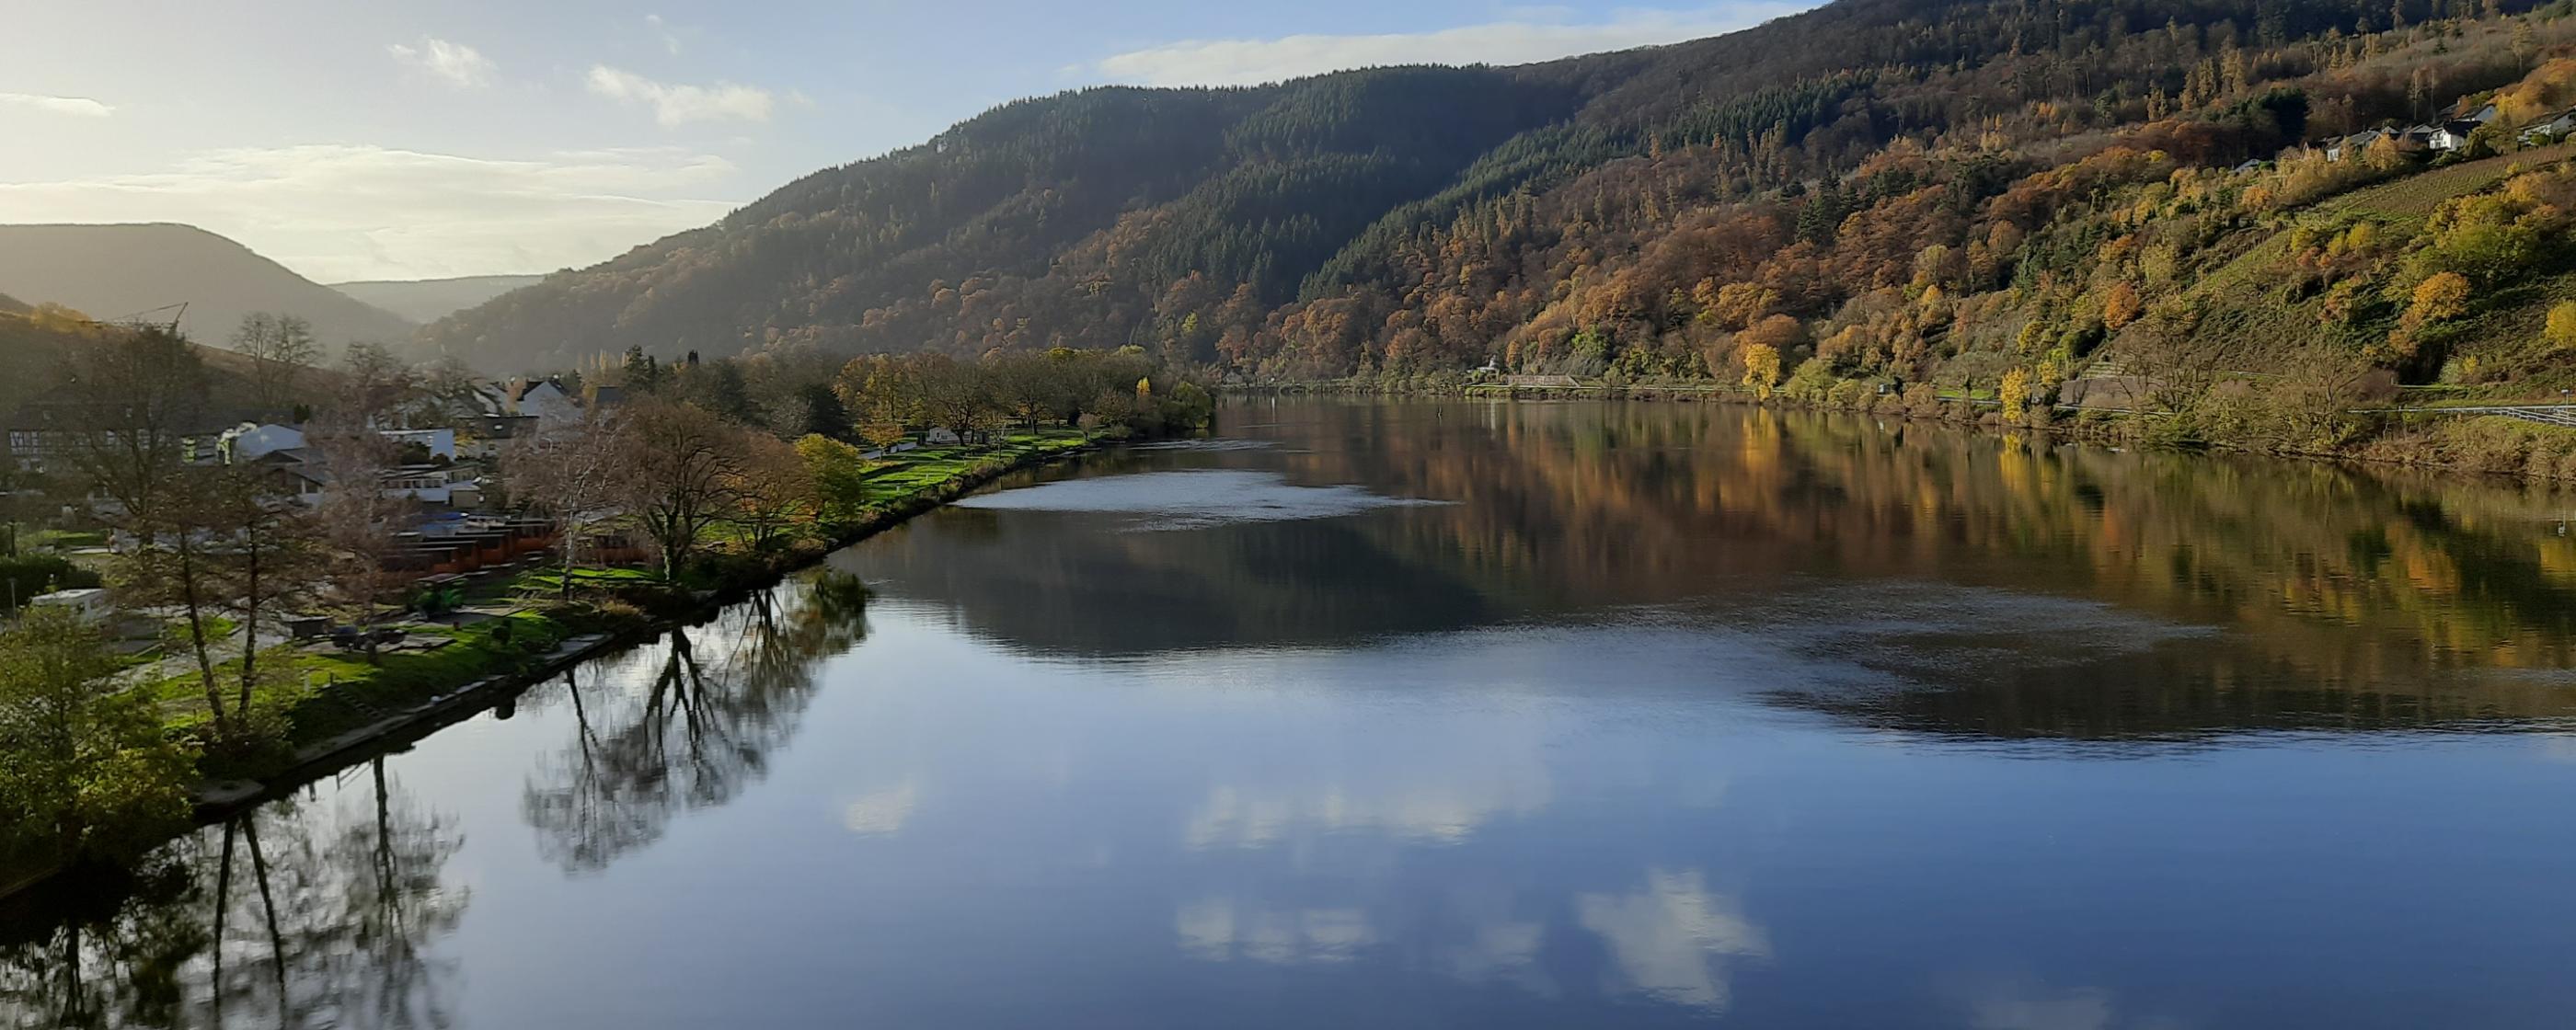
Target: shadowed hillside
(38, 347)
(111, 271)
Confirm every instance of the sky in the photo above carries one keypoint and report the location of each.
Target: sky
(430, 139)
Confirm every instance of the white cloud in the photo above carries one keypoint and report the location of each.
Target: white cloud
(662, 30)
(78, 107)
(336, 212)
(680, 105)
(1527, 35)
(456, 64)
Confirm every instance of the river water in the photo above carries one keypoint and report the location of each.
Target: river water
(1477, 715)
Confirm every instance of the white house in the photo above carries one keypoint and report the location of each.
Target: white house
(546, 401)
(2451, 136)
(2551, 130)
(441, 443)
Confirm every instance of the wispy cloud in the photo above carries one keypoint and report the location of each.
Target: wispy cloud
(662, 30)
(681, 104)
(77, 107)
(456, 64)
(1526, 35)
(338, 212)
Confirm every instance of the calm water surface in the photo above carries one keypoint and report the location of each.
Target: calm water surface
(1412, 715)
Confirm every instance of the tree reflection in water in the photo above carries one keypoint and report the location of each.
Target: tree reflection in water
(298, 915)
(690, 722)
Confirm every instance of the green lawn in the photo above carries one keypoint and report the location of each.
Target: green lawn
(331, 692)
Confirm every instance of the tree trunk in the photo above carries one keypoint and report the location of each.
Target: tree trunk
(250, 631)
(197, 633)
(572, 557)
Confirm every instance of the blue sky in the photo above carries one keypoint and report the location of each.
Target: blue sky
(431, 139)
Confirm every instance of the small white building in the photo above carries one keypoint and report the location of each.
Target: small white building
(89, 605)
(427, 484)
(441, 443)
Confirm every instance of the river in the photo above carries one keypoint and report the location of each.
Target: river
(1412, 714)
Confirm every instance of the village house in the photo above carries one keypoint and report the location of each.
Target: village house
(2550, 130)
(44, 434)
(2451, 136)
(2354, 145)
(542, 399)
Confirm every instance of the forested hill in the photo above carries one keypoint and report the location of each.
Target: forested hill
(113, 271)
(1898, 189)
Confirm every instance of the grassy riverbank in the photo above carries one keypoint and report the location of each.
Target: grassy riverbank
(331, 703)
(507, 624)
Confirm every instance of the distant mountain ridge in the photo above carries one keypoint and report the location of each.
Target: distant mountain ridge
(428, 300)
(109, 271)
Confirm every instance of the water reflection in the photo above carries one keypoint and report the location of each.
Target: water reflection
(1220, 929)
(688, 722)
(1191, 500)
(1674, 938)
(1672, 716)
(300, 915)
(2007, 587)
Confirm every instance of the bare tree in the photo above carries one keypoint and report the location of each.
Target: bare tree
(266, 546)
(378, 382)
(170, 564)
(280, 348)
(573, 475)
(359, 520)
(442, 393)
(681, 467)
(2178, 361)
(772, 487)
(136, 400)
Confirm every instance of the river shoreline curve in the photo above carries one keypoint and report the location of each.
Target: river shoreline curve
(431, 708)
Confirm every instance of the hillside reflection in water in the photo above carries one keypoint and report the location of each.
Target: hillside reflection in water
(1452, 714)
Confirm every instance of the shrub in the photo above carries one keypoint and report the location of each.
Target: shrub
(2560, 333)
(1762, 369)
(31, 575)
